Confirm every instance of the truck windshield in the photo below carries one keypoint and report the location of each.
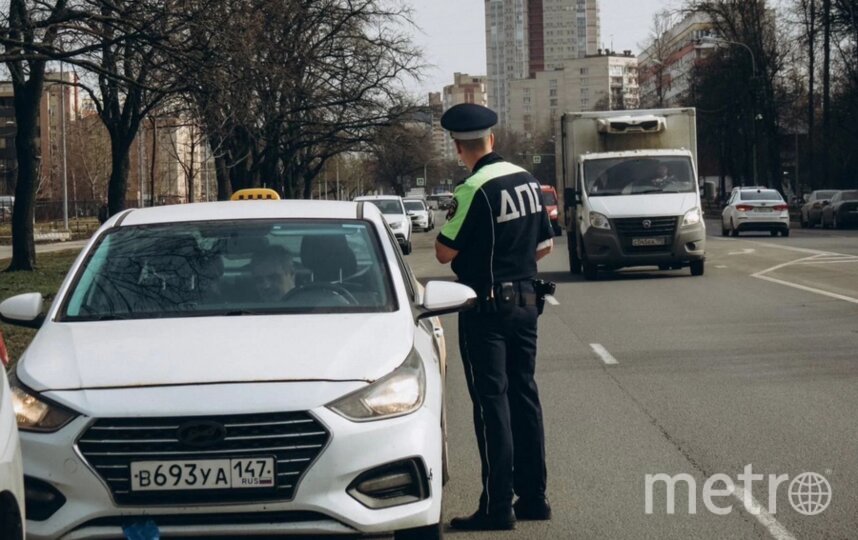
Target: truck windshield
(638, 175)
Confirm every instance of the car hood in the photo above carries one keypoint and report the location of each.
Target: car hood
(656, 204)
(209, 350)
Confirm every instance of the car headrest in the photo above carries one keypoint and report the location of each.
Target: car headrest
(328, 256)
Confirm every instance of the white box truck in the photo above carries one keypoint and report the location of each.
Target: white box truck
(630, 194)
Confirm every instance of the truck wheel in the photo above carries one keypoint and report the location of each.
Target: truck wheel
(697, 268)
(591, 271)
(574, 259)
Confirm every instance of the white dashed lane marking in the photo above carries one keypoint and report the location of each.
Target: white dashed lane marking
(603, 353)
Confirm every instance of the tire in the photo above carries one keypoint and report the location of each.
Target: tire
(11, 524)
(773, 233)
(734, 232)
(804, 223)
(785, 232)
(406, 248)
(590, 270)
(429, 532)
(835, 223)
(724, 230)
(697, 268)
(574, 259)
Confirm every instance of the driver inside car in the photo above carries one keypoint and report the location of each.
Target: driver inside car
(273, 273)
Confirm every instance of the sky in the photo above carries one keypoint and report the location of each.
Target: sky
(452, 34)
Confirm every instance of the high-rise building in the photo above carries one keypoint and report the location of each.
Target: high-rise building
(667, 64)
(599, 82)
(465, 89)
(525, 37)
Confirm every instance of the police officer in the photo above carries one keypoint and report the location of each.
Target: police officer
(495, 233)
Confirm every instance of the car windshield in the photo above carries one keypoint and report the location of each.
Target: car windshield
(849, 195)
(231, 268)
(415, 206)
(760, 195)
(638, 176)
(388, 206)
(548, 198)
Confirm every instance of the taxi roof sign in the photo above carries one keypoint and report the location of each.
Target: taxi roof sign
(255, 194)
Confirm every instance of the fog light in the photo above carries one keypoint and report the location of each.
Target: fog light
(42, 500)
(394, 484)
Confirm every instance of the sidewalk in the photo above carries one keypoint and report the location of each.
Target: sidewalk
(6, 251)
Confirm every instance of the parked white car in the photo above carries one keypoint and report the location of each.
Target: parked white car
(421, 216)
(11, 470)
(173, 381)
(755, 209)
(393, 209)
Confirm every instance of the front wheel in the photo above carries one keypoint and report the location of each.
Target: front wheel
(429, 532)
(697, 268)
(406, 248)
(785, 232)
(574, 259)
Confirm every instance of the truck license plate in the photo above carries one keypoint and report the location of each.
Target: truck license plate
(185, 475)
(654, 241)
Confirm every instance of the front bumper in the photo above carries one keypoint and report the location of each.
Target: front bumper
(605, 248)
(321, 504)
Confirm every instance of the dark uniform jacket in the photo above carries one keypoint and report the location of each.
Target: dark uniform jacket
(498, 224)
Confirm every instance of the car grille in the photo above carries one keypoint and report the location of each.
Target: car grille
(294, 439)
(631, 228)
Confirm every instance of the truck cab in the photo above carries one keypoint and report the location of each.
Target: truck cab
(631, 196)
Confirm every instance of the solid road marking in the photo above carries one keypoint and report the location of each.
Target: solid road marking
(603, 353)
(826, 256)
(767, 520)
(551, 300)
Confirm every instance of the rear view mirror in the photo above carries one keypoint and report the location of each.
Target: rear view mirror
(442, 297)
(23, 310)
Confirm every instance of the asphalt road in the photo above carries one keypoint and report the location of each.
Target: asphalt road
(755, 363)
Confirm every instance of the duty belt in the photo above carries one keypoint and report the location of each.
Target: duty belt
(504, 295)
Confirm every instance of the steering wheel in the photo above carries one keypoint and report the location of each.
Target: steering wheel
(337, 290)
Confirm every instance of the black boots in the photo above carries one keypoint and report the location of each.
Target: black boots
(532, 509)
(484, 522)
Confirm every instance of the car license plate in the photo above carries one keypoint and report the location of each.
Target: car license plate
(239, 473)
(763, 209)
(654, 241)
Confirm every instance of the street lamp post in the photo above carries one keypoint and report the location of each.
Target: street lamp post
(712, 40)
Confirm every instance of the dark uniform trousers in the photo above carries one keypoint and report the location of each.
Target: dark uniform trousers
(499, 353)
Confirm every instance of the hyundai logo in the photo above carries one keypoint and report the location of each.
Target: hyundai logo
(201, 434)
(647, 224)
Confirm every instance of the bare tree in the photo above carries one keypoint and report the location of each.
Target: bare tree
(658, 50)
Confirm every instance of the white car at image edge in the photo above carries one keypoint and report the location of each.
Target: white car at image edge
(755, 209)
(168, 385)
(11, 470)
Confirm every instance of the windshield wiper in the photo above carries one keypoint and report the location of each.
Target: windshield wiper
(606, 194)
(646, 191)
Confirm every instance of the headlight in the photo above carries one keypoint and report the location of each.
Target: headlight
(396, 225)
(553, 214)
(692, 217)
(398, 393)
(599, 221)
(33, 414)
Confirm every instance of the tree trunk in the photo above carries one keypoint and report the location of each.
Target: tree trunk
(811, 112)
(26, 106)
(120, 148)
(224, 185)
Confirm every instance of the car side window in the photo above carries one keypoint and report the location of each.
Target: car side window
(407, 276)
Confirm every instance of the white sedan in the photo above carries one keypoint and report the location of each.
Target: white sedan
(755, 209)
(421, 216)
(236, 368)
(393, 209)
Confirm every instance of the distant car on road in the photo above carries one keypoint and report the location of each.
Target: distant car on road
(7, 202)
(755, 209)
(811, 211)
(11, 469)
(549, 200)
(393, 209)
(421, 216)
(842, 211)
(224, 369)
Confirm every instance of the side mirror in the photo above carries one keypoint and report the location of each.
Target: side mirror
(23, 310)
(442, 297)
